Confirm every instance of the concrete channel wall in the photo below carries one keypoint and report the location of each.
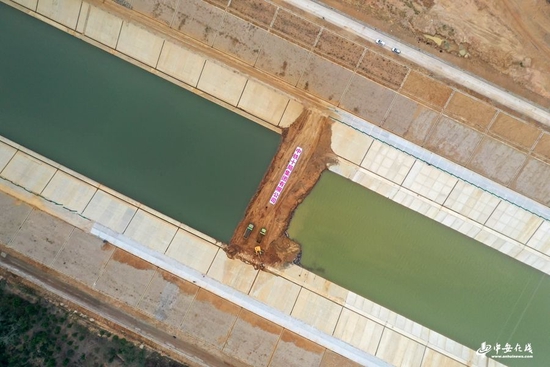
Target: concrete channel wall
(366, 160)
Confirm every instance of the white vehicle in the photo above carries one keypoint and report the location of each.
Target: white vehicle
(396, 50)
(380, 42)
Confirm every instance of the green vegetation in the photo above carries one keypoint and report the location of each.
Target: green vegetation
(34, 332)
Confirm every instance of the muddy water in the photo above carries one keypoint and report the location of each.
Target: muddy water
(127, 129)
(422, 269)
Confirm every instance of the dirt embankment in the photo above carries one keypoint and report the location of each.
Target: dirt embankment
(504, 41)
(311, 132)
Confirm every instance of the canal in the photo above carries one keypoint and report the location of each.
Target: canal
(127, 129)
(423, 270)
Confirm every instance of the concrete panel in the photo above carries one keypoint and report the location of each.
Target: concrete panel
(499, 242)
(400, 350)
(497, 161)
(258, 12)
(453, 140)
(83, 17)
(282, 59)
(388, 162)
(534, 259)
(233, 273)
(292, 112)
(358, 331)
(41, 237)
(451, 347)
(181, 63)
(110, 211)
(28, 172)
(6, 153)
(263, 102)
(430, 182)
(275, 291)
(324, 288)
(161, 10)
(422, 88)
(83, 257)
(62, 11)
(316, 311)
(313, 282)
(541, 239)
(168, 298)
(518, 133)
(533, 180)
(435, 359)
(382, 70)
(69, 191)
(103, 27)
(31, 4)
(125, 277)
(457, 222)
(252, 339)
(240, 38)
(375, 183)
(470, 111)
(367, 99)
(367, 308)
(198, 20)
(409, 120)
(295, 29)
(349, 143)
(514, 222)
(221, 82)
(295, 351)
(210, 318)
(345, 169)
(418, 203)
(151, 231)
(331, 359)
(192, 251)
(325, 79)
(140, 44)
(339, 49)
(408, 327)
(12, 215)
(471, 202)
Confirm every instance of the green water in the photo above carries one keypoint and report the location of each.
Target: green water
(126, 128)
(423, 270)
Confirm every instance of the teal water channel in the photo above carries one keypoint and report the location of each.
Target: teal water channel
(423, 270)
(134, 132)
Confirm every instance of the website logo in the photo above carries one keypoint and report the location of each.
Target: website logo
(484, 349)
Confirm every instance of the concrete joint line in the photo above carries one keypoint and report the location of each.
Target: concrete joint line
(61, 248)
(404, 79)
(273, 20)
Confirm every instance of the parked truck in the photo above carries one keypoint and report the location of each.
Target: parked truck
(249, 230)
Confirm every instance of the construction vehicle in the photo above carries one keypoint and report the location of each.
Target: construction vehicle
(261, 235)
(248, 230)
(258, 250)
